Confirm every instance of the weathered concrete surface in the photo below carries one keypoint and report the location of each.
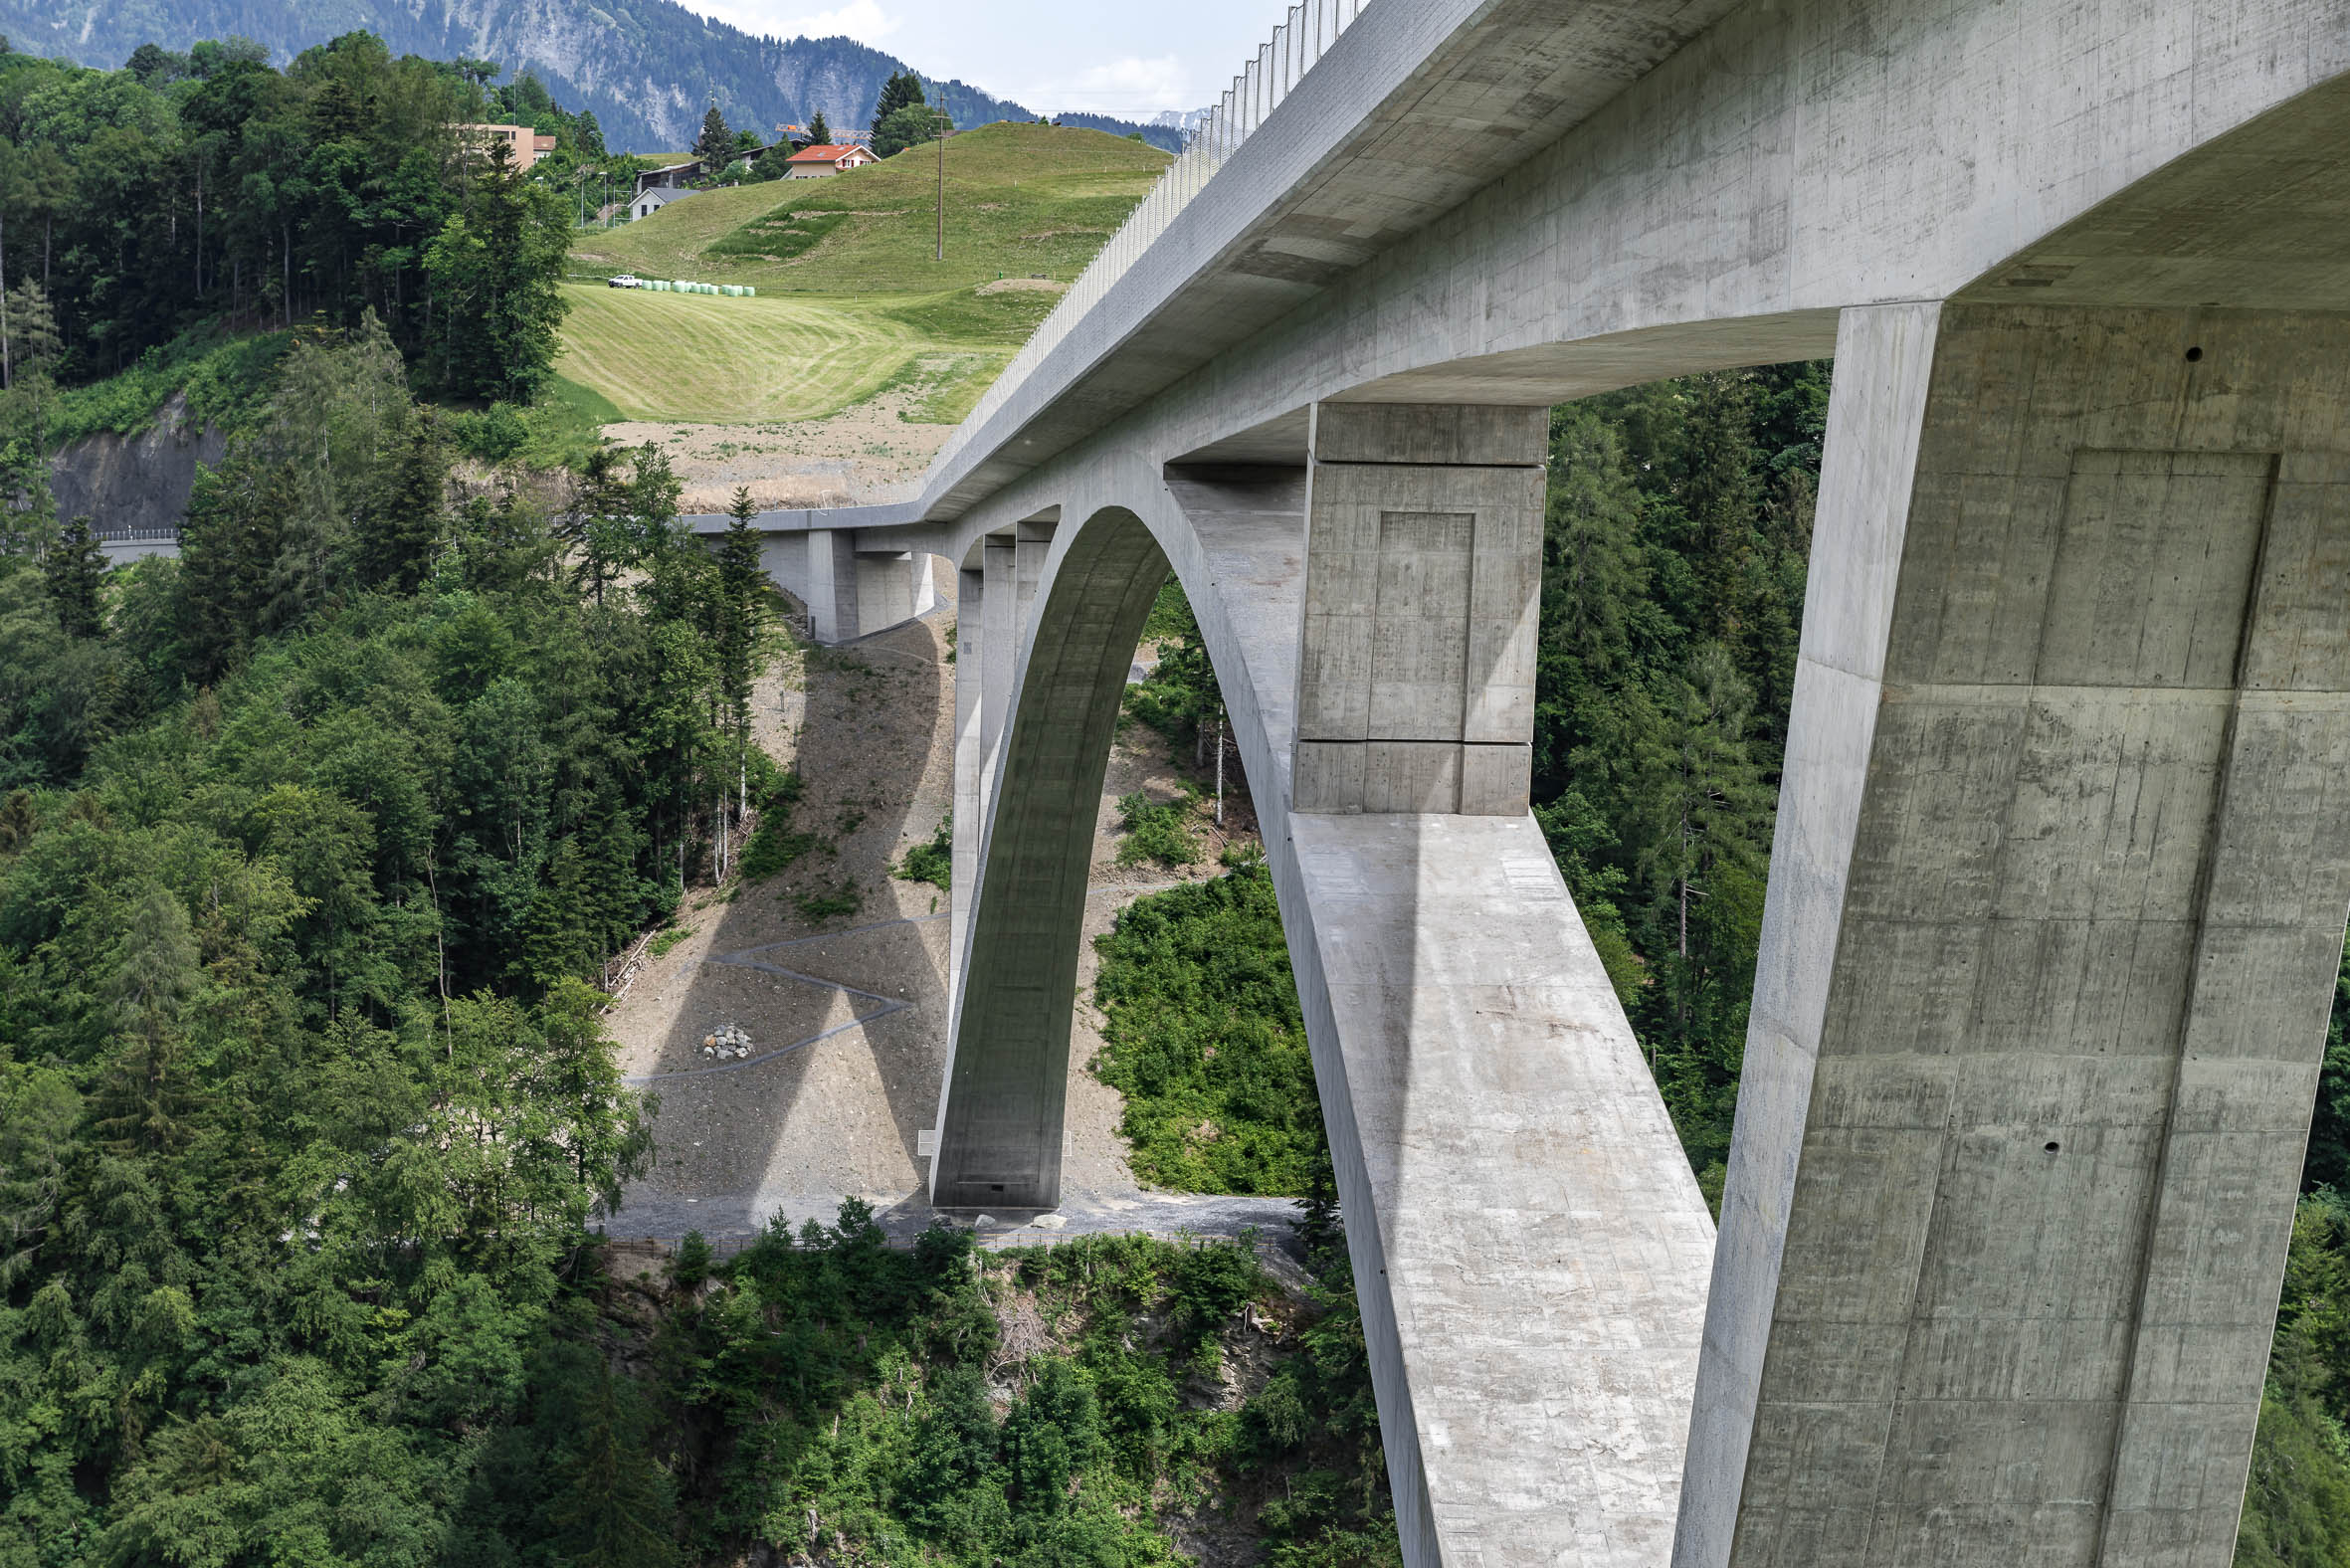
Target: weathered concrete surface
(847, 593)
(1490, 1118)
(1422, 584)
(2056, 910)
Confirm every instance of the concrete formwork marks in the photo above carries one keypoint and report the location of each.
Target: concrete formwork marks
(2042, 1170)
(1424, 570)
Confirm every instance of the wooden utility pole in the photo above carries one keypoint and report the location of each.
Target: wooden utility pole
(940, 126)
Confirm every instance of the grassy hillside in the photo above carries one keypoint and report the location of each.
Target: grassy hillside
(852, 295)
(732, 361)
(1020, 199)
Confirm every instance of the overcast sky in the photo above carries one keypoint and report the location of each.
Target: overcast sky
(1125, 58)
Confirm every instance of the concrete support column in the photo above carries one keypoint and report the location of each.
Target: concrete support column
(1422, 583)
(832, 585)
(923, 586)
(784, 558)
(970, 756)
(999, 649)
(891, 589)
(1032, 542)
(2055, 909)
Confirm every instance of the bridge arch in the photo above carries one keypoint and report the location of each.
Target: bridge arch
(1001, 1097)
(1479, 1081)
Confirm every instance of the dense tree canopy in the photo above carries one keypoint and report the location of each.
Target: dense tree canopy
(187, 188)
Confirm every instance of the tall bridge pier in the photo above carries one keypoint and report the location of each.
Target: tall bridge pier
(2055, 913)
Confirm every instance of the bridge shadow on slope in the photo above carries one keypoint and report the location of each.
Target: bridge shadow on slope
(845, 1010)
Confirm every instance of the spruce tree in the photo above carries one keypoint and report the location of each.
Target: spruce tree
(611, 1506)
(902, 88)
(820, 134)
(74, 569)
(740, 582)
(228, 547)
(401, 517)
(715, 146)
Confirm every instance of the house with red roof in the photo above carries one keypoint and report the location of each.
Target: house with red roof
(828, 159)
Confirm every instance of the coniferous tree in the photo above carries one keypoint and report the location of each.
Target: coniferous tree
(401, 520)
(910, 126)
(901, 90)
(741, 581)
(27, 509)
(715, 145)
(496, 266)
(230, 541)
(820, 134)
(612, 1505)
(598, 528)
(75, 571)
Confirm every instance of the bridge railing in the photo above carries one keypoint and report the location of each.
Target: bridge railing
(1312, 27)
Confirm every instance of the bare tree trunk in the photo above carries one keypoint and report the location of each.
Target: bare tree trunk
(1220, 767)
(5, 376)
(441, 955)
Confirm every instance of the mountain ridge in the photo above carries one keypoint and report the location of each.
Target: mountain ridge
(648, 68)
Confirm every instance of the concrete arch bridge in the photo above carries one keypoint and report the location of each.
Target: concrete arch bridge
(2063, 846)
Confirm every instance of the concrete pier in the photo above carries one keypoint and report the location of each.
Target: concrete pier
(2056, 910)
(1422, 584)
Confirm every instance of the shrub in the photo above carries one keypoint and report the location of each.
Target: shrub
(831, 902)
(491, 434)
(1202, 1035)
(1156, 833)
(934, 862)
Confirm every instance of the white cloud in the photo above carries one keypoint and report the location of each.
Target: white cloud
(862, 20)
(1131, 88)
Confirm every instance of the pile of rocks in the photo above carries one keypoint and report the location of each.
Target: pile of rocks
(730, 1043)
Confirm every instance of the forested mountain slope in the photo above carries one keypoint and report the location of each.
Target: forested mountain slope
(646, 68)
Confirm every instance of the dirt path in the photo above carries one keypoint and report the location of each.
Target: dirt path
(845, 1018)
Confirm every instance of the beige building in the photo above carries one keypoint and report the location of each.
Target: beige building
(823, 161)
(528, 146)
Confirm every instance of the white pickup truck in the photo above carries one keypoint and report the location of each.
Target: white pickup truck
(626, 280)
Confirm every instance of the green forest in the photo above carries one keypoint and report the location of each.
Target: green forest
(186, 192)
